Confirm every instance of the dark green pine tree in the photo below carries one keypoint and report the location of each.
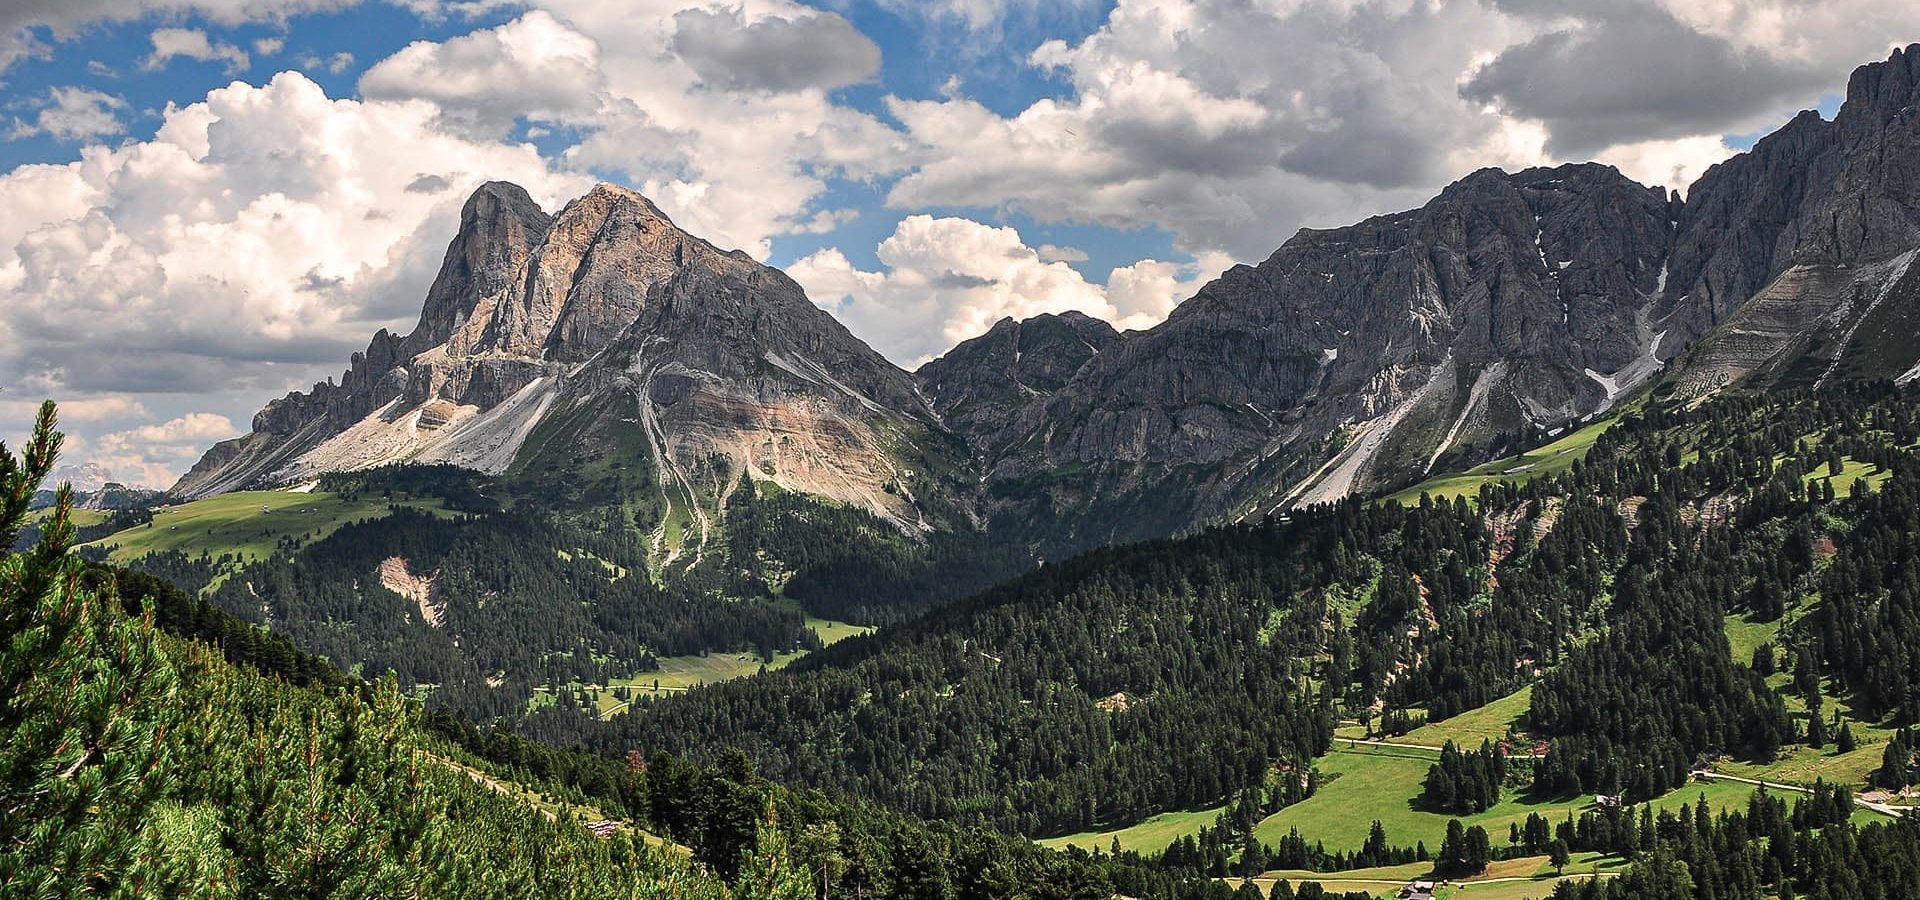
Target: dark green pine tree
(770, 872)
(921, 874)
(82, 745)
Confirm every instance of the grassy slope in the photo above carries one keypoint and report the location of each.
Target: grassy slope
(1382, 783)
(680, 673)
(1368, 783)
(248, 524)
(1468, 729)
(79, 517)
(1798, 763)
(1851, 470)
(1555, 457)
(1149, 836)
(1744, 634)
(1488, 723)
(1801, 764)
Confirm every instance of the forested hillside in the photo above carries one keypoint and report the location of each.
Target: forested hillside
(1175, 674)
(134, 763)
(1091, 693)
(479, 592)
(153, 745)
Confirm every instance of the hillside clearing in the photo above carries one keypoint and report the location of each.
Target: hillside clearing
(1507, 879)
(1558, 456)
(1365, 784)
(1487, 723)
(683, 673)
(249, 524)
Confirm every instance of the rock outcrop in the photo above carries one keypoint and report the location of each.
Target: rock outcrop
(1785, 252)
(982, 387)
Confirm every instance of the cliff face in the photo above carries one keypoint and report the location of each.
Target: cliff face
(1793, 261)
(1507, 300)
(1366, 356)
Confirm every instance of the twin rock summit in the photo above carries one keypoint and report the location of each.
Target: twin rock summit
(1351, 359)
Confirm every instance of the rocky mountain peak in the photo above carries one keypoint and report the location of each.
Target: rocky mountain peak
(1882, 94)
(1509, 301)
(1512, 303)
(1785, 250)
(982, 386)
(500, 224)
(601, 306)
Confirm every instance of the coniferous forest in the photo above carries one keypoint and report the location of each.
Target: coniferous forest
(1207, 670)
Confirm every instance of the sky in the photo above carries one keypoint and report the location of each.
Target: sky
(210, 203)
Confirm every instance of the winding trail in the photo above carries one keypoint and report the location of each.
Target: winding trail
(1885, 809)
(1356, 742)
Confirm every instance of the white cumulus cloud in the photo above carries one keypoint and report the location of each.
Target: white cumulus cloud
(485, 81)
(153, 454)
(949, 279)
(192, 43)
(73, 113)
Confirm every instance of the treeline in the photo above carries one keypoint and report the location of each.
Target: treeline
(458, 489)
(191, 617)
(853, 848)
(1764, 852)
(1096, 691)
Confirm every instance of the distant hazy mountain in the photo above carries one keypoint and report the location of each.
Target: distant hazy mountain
(85, 478)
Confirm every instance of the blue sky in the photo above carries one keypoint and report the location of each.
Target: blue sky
(236, 216)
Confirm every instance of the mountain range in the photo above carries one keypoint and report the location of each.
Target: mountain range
(1510, 306)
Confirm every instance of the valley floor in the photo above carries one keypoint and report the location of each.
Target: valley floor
(1364, 783)
(1508, 879)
